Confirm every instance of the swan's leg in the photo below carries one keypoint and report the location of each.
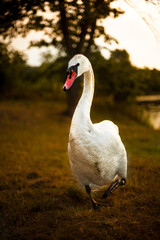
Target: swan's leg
(114, 186)
(95, 205)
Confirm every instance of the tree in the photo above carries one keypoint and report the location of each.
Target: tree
(11, 67)
(116, 77)
(72, 29)
(120, 56)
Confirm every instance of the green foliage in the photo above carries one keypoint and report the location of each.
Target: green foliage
(11, 68)
(115, 77)
(122, 76)
(19, 80)
(149, 81)
(118, 78)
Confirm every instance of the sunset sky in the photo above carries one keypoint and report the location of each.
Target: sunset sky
(131, 31)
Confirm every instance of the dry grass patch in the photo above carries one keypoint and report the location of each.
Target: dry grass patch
(40, 198)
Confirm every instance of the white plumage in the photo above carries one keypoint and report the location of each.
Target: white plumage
(96, 152)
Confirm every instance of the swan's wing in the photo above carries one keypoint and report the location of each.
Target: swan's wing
(106, 137)
(108, 125)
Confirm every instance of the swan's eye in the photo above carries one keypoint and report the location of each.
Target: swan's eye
(73, 68)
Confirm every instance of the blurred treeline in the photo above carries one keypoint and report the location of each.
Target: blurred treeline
(115, 77)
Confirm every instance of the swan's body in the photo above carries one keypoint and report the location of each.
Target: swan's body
(96, 152)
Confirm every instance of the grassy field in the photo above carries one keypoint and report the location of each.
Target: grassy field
(41, 199)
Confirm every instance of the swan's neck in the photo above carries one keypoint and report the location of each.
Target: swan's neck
(82, 113)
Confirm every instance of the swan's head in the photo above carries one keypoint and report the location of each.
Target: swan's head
(78, 65)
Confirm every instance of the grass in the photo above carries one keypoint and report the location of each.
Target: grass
(40, 199)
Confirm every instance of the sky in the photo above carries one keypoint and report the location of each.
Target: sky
(131, 31)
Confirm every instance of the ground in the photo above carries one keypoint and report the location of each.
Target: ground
(40, 199)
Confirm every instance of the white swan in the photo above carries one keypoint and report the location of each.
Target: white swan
(96, 152)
